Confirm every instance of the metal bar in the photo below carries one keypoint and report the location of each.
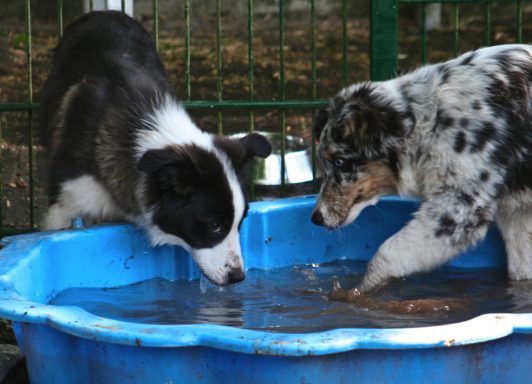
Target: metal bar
(30, 101)
(282, 80)
(59, 12)
(313, 72)
(313, 77)
(187, 50)
(282, 91)
(423, 33)
(209, 104)
(29, 82)
(123, 5)
(456, 28)
(251, 63)
(487, 23)
(219, 81)
(155, 13)
(455, 1)
(251, 82)
(1, 177)
(344, 43)
(383, 39)
(91, 5)
(519, 21)
(18, 107)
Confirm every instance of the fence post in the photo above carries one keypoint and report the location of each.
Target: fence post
(383, 45)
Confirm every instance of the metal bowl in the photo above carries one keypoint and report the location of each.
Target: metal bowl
(298, 161)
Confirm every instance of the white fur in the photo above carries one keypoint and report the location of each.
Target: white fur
(171, 125)
(216, 267)
(453, 131)
(83, 196)
(415, 248)
(358, 208)
(514, 219)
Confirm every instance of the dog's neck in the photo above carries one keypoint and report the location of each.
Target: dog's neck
(414, 98)
(418, 100)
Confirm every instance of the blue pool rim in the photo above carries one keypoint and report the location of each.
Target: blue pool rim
(76, 321)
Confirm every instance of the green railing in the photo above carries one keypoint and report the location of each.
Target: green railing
(384, 41)
(384, 30)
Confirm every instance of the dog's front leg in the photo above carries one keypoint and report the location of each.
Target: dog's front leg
(442, 228)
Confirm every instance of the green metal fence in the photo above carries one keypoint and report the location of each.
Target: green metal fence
(384, 43)
(384, 30)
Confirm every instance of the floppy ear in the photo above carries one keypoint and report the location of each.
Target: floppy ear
(256, 145)
(154, 159)
(319, 123)
(240, 150)
(167, 170)
(368, 128)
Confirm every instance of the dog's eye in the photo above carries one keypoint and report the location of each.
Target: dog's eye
(215, 227)
(339, 163)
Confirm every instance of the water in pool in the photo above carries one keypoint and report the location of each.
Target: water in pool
(295, 299)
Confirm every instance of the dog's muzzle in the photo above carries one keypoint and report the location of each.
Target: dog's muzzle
(235, 275)
(317, 217)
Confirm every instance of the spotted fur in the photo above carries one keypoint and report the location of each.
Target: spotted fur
(458, 135)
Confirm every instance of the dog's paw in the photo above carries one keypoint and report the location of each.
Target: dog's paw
(377, 275)
(370, 283)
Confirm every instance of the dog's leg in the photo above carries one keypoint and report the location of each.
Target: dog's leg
(443, 227)
(514, 218)
(57, 217)
(85, 197)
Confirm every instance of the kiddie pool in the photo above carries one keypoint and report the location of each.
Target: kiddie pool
(69, 345)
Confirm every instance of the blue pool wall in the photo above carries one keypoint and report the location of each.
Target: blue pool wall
(275, 234)
(69, 345)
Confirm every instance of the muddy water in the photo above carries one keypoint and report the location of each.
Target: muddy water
(309, 298)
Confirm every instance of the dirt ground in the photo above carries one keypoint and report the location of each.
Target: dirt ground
(17, 128)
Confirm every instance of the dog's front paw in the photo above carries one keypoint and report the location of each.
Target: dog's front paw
(371, 283)
(376, 276)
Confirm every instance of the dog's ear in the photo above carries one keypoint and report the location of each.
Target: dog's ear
(368, 128)
(353, 123)
(245, 148)
(256, 146)
(154, 159)
(168, 170)
(319, 123)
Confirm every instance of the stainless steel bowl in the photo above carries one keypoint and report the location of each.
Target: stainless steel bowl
(298, 161)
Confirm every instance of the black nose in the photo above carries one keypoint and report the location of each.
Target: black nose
(317, 218)
(235, 275)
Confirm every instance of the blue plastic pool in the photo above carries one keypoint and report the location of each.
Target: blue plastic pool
(69, 345)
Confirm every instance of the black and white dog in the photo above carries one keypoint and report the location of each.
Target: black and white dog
(456, 134)
(122, 148)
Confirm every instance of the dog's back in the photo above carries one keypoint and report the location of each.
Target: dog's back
(106, 73)
(106, 46)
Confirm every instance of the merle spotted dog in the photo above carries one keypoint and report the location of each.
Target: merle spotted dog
(458, 135)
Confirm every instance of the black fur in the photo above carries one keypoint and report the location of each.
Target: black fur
(112, 125)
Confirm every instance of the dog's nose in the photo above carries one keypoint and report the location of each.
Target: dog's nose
(235, 275)
(317, 218)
